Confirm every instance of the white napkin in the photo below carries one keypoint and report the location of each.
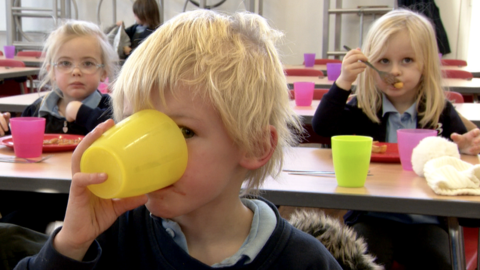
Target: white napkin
(452, 176)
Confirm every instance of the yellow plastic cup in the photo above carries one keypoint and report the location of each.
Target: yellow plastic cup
(142, 153)
(351, 159)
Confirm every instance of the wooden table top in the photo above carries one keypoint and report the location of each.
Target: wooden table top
(471, 111)
(12, 72)
(475, 70)
(459, 85)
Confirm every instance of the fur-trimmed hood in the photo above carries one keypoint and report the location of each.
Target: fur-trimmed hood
(349, 250)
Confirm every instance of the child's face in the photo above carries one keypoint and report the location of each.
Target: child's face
(213, 175)
(76, 84)
(399, 59)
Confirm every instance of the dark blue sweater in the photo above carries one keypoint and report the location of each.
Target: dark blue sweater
(133, 243)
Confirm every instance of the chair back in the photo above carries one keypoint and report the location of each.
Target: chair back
(302, 72)
(453, 62)
(454, 97)
(11, 87)
(37, 54)
(1, 53)
(457, 74)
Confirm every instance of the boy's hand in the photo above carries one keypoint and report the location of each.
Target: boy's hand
(351, 67)
(4, 120)
(127, 50)
(88, 216)
(468, 143)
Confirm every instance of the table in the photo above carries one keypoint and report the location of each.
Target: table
(459, 85)
(12, 72)
(19, 103)
(389, 189)
(470, 111)
(472, 69)
(30, 61)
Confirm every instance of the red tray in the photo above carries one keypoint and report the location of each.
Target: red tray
(390, 156)
(8, 141)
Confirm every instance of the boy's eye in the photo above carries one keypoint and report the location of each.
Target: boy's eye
(187, 133)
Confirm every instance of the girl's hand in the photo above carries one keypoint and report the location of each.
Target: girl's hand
(4, 120)
(351, 67)
(72, 109)
(468, 143)
(88, 216)
(127, 50)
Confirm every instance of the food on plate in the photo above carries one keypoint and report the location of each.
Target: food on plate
(398, 85)
(61, 141)
(378, 149)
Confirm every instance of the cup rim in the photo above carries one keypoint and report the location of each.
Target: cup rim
(348, 138)
(416, 130)
(26, 118)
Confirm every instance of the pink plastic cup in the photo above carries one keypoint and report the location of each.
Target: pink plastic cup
(407, 140)
(309, 59)
(9, 51)
(333, 71)
(27, 134)
(303, 93)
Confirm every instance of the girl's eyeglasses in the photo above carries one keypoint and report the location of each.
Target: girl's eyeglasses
(86, 67)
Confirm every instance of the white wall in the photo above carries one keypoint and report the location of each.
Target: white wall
(300, 20)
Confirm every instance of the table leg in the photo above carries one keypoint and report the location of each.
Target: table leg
(457, 249)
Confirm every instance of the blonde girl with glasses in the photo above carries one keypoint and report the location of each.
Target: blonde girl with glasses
(78, 58)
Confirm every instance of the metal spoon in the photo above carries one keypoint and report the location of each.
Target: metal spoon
(23, 160)
(386, 77)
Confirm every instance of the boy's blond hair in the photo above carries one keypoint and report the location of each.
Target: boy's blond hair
(67, 31)
(430, 96)
(232, 62)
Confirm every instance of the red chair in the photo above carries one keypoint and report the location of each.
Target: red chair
(470, 241)
(324, 61)
(11, 87)
(454, 97)
(37, 54)
(460, 74)
(454, 62)
(302, 72)
(457, 74)
(1, 53)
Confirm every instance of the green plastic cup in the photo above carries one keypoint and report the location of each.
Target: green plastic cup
(351, 159)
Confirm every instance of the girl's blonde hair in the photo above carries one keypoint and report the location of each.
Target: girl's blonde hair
(66, 32)
(430, 95)
(230, 61)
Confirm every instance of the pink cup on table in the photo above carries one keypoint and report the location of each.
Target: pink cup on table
(9, 51)
(303, 93)
(27, 135)
(333, 71)
(407, 140)
(309, 59)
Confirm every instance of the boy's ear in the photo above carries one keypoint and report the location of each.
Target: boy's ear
(264, 153)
